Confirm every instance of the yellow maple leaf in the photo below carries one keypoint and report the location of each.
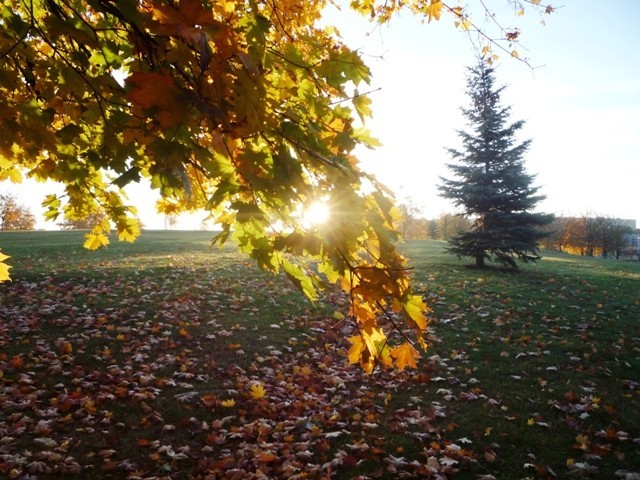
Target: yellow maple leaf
(128, 230)
(465, 25)
(582, 441)
(357, 347)
(230, 402)
(374, 340)
(4, 268)
(257, 391)
(95, 240)
(11, 174)
(434, 10)
(414, 308)
(405, 355)
(227, 6)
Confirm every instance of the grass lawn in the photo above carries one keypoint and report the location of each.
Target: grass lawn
(169, 359)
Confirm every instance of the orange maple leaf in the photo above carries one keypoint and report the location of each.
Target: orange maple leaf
(158, 91)
(17, 362)
(188, 12)
(151, 89)
(209, 400)
(188, 20)
(405, 355)
(357, 347)
(434, 10)
(267, 457)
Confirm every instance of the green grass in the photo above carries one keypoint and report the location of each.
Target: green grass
(116, 364)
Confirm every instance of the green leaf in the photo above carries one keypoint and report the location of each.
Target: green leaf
(131, 175)
(362, 103)
(52, 204)
(300, 279)
(329, 271)
(69, 133)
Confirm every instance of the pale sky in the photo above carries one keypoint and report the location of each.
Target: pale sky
(582, 106)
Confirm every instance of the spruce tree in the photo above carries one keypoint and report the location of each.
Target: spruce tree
(490, 184)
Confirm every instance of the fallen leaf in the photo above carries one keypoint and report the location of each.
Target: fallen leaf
(257, 391)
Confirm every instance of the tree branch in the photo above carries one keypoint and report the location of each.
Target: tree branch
(24, 35)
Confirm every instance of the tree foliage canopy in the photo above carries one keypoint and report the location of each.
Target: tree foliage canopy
(592, 235)
(15, 216)
(244, 108)
(490, 182)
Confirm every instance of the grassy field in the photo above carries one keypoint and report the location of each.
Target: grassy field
(169, 359)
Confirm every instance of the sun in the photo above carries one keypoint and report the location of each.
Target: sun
(317, 213)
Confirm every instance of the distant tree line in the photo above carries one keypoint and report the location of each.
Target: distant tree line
(16, 216)
(413, 226)
(83, 223)
(591, 235)
(588, 235)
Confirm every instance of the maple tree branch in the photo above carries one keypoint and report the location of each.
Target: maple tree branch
(90, 27)
(307, 68)
(315, 155)
(492, 41)
(98, 96)
(78, 15)
(24, 35)
(342, 100)
(396, 327)
(247, 182)
(284, 30)
(295, 64)
(137, 34)
(491, 16)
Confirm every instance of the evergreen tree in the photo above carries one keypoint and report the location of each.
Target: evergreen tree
(490, 183)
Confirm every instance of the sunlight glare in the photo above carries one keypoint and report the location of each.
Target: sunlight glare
(316, 214)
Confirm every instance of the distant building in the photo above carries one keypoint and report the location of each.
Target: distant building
(632, 239)
(628, 223)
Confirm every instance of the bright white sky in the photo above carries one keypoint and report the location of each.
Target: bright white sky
(582, 106)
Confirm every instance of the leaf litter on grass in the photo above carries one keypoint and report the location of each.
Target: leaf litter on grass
(193, 370)
(179, 376)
